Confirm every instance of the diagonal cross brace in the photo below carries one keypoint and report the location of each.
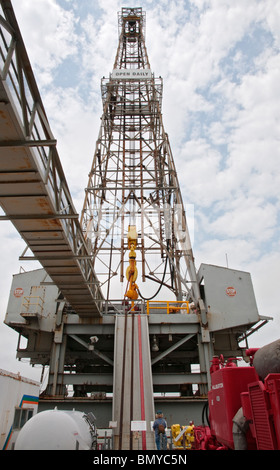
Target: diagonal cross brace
(172, 348)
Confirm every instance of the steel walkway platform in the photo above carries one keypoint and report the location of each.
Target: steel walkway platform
(33, 190)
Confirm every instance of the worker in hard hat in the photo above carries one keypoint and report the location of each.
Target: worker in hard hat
(159, 427)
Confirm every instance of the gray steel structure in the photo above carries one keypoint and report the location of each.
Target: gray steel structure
(68, 310)
(133, 179)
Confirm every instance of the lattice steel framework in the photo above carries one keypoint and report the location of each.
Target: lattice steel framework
(133, 180)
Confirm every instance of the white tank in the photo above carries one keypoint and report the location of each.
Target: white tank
(56, 430)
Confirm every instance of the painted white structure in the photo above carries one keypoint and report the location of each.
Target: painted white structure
(19, 398)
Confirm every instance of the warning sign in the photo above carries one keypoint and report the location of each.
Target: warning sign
(18, 292)
(231, 291)
(138, 426)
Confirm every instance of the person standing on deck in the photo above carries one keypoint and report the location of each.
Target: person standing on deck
(159, 427)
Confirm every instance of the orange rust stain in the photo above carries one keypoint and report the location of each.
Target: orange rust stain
(43, 203)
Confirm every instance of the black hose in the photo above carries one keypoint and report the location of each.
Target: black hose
(161, 283)
(205, 413)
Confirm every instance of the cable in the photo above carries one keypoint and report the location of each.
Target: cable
(205, 414)
(161, 283)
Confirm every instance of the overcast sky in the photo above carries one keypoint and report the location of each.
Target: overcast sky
(220, 63)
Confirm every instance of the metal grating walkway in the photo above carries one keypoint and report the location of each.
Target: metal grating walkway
(33, 190)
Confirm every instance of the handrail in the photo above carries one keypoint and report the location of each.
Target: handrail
(33, 304)
(171, 306)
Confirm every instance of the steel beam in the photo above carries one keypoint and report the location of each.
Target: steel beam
(92, 348)
(171, 348)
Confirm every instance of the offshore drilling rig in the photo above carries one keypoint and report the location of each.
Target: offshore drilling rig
(118, 310)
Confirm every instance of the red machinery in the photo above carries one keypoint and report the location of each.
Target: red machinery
(244, 403)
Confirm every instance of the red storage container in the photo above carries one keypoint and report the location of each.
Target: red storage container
(225, 400)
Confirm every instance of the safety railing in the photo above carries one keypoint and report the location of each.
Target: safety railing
(122, 307)
(32, 305)
(168, 307)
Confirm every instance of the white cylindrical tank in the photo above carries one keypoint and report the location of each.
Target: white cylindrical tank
(56, 430)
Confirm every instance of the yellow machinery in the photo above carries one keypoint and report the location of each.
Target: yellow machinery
(131, 272)
(182, 437)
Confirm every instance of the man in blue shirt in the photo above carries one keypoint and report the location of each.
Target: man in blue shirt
(159, 427)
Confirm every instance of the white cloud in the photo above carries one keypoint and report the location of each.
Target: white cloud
(75, 123)
(49, 34)
(245, 218)
(228, 252)
(265, 272)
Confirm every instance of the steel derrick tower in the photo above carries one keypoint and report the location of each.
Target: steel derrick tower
(133, 183)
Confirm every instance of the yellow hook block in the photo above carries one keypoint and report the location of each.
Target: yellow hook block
(131, 272)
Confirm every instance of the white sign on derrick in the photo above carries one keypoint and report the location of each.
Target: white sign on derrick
(131, 74)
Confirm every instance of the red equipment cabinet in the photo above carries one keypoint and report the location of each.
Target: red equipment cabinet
(261, 408)
(272, 383)
(225, 399)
